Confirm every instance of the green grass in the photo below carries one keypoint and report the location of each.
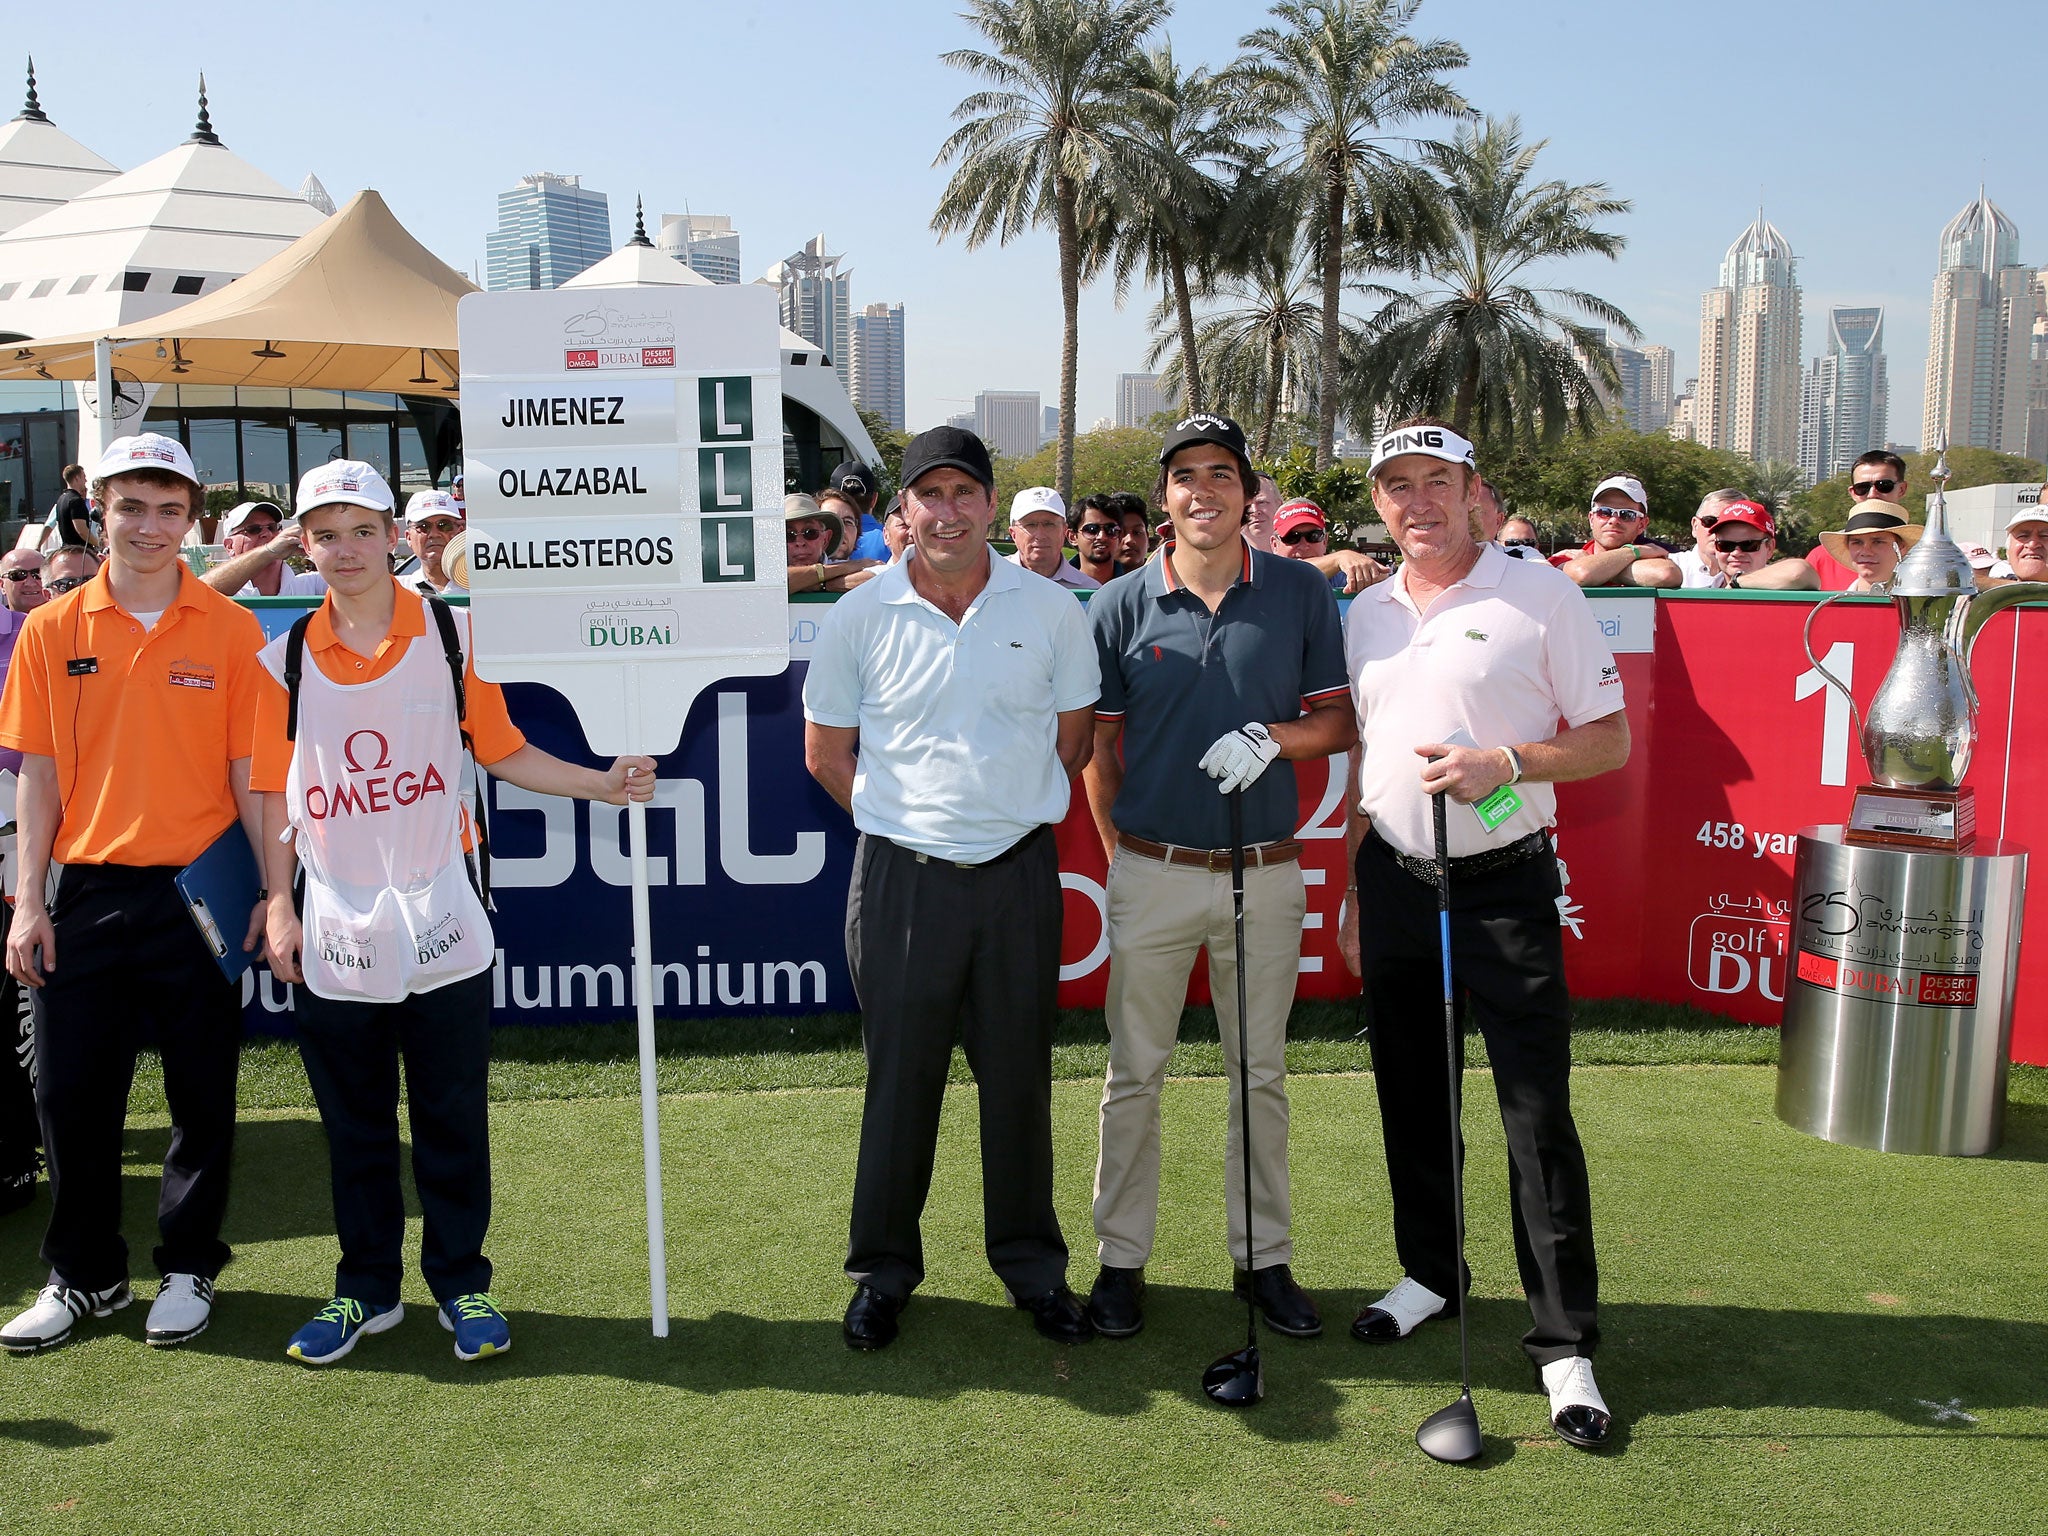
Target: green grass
(1776, 1311)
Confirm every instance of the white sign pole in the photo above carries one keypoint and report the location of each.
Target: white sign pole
(643, 995)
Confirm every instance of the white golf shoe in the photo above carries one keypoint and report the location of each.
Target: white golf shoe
(183, 1307)
(48, 1323)
(1398, 1313)
(1578, 1412)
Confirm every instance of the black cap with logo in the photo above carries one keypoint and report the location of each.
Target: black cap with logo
(947, 448)
(1203, 427)
(856, 479)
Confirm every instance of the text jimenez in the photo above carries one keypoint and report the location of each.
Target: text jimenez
(565, 411)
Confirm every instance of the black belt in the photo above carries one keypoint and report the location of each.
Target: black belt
(1520, 851)
(1017, 849)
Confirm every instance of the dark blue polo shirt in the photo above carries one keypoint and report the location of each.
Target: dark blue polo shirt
(1179, 677)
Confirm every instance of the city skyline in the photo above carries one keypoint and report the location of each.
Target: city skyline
(1689, 188)
(550, 228)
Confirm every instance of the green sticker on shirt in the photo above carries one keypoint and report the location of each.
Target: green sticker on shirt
(1497, 807)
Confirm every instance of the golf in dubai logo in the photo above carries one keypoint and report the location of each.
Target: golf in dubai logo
(1738, 946)
(629, 624)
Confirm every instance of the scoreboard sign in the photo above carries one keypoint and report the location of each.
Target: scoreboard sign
(624, 475)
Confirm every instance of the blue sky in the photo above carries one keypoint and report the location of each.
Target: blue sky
(1862, 128)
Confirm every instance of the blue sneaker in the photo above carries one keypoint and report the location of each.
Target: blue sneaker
(336, 1327)
(479, 1327)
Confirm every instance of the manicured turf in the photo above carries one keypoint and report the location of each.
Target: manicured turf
(1779, 1315)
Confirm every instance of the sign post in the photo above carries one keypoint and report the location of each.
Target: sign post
(623, 461)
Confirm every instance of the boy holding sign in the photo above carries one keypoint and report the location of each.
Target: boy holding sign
(360, 732)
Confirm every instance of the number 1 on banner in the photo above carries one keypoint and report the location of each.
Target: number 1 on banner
(1834, 723)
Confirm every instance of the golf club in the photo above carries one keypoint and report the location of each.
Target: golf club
(1237, 1380)
(1452, 1432)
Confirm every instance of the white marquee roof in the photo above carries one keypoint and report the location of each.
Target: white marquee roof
(42, 166)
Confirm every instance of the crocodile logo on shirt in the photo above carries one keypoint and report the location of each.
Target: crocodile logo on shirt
(1473, 634)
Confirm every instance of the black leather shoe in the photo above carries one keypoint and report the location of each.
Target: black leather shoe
(1059, 1315)
(1285, 1305)
(1117, 1304)
(871, 1318)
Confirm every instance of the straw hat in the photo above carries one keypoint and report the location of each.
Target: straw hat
(799, 507)
(1871, 520)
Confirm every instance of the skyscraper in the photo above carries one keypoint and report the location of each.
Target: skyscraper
(549, 228)
(817, 302)
(1748, 398)
(706, 243)
(1980, 334)
(877, 362)
(1660, 364)
(1139, 399)
(1845, 404)
(1010, 421)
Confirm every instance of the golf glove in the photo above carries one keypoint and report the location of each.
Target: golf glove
(1240, 756)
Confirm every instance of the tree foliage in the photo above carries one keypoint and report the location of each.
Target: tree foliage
(889, 443)
(1552, 483)
(1116, 459)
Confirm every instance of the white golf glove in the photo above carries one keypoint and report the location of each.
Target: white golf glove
(1240, 756)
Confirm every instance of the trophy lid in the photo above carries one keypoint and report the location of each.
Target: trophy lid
(1936, 566)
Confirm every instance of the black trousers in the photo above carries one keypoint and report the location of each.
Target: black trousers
(19, 1133)
(938, 951)
(352, 1052)
(133, 971)
(1507, 958)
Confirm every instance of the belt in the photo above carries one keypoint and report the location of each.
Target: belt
(1520, 851)
(1215, 860)
(1015, 850)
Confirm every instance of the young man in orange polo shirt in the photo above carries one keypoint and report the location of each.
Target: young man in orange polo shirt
(358, 759)
(132, 701)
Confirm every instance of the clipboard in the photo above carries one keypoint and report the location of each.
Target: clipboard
(219, 889)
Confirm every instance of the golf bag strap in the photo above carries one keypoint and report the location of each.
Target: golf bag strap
(294, 664)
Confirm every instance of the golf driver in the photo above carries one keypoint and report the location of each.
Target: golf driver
(1237, 1380)
(1452, 1432)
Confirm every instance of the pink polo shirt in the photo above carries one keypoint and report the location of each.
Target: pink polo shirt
(1509, 655)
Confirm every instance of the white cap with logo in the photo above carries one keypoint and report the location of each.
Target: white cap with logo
(146, 450)
(425, 504)
(343, 480)
(1628, 485)
(1435, 442)
(1037, 498)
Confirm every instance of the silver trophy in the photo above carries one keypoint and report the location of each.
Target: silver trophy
(1922, 726)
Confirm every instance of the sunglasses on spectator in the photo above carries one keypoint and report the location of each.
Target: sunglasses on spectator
(1518, 543)
(65, 584)
(259, 528)
(1730, 546)
(1304, 536)
(1708, 519)
(1101, 530)
(805, 531)
(23, 574)
(1870, 487)
(1619, 514)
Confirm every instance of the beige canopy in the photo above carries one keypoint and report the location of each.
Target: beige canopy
(356, 303)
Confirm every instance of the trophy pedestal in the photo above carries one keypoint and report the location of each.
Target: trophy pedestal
(1937, 820)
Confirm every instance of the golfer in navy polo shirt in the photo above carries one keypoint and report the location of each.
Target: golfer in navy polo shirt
(1221, 666)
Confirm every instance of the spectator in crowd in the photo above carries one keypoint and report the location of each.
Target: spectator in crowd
(133, 702)
(258, 542)
(69, 567)
(953, 914)
(1618, 555)
(1699, 566)
(1347, 570)
(1870, 543)
(22, 569)
(861, 491)
(71, 514)
(1746, 552)
(461, 501)
(411, 979)
(809, 532)
(846, 507)
(896, 529)
(1038, 527)
(2026, 543)
(432, 519)
(1222, 666)
(1097, 538)
(1877, 484)
(1263, 513)
(1136, 521)
(1518, 538)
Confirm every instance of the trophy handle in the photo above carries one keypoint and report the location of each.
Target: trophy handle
(1834, 682)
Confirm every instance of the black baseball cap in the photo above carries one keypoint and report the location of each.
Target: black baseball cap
(856, 478)
(947, 447)
(1204, 427)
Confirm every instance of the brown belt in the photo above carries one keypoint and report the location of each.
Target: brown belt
(1215, 860)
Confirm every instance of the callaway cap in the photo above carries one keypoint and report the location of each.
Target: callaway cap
(1755, 514)
(241, 512)
(349, 481)
(1298, 514)
(425, 504)
(1037, 498)
(856, 479)
(1632, 488)
(947, 448)
(147, 450)
(1436, 442)
(1204, 427)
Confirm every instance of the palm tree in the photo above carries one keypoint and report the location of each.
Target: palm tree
(1040, 144)
(1333, 78)
(1481, 347)
(1173, 207)
(1773, 484)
